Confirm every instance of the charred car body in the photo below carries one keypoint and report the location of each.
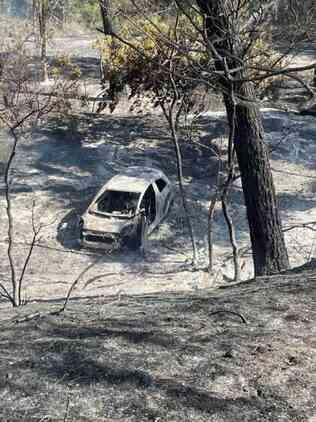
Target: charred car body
(126, 209)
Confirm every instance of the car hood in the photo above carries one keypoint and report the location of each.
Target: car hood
(104, 223)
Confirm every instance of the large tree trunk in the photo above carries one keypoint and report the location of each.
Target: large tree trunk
(268, 246)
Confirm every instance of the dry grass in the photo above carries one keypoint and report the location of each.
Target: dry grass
(166, 358)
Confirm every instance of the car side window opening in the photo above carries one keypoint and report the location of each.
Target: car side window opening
(161, 184)
(149, 204)
(124, 203)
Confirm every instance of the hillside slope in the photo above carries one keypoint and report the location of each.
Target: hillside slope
(167, 357)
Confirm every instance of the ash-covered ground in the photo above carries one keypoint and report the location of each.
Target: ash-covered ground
(63, 163)
(136, 343)
(62, 167)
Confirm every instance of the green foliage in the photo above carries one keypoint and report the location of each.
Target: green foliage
(153, 46)
(66, 69)
(86, 12)
(155, 52)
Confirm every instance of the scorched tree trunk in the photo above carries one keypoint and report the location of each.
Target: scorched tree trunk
(268, 246)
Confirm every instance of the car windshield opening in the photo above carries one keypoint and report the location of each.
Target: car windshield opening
(118, 203)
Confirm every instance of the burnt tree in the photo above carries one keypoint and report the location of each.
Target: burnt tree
(223, 38)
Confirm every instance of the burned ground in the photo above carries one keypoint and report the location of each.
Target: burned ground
(68, 160)
(146, 339)
(166, 357)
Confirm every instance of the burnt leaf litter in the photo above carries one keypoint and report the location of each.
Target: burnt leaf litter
(241, 353)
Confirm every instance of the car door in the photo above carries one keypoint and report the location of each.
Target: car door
(149, 203)
(164, 197)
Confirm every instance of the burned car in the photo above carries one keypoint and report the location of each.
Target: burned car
(127, 208)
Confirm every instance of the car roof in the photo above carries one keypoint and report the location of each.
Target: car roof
(134, 179)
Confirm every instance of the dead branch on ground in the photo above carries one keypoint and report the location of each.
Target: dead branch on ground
(310, 225)
(226, 311)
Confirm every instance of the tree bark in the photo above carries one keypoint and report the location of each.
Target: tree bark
(43, 18)
(267, 240)
(268, 245)
(106, 16)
